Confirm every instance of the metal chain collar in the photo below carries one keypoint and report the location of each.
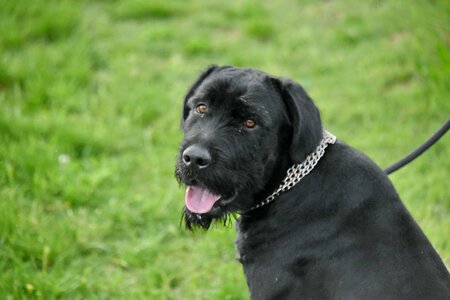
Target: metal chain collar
(298, 171)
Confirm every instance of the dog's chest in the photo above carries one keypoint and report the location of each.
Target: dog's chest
(250, 242)
(265, 268)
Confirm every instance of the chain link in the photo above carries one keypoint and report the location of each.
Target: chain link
(297, 172)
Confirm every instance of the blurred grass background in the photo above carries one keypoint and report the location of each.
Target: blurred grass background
(90, 100)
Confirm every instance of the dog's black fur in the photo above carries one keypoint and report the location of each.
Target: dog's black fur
(340, 233)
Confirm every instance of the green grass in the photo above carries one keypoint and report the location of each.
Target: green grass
(90, 101)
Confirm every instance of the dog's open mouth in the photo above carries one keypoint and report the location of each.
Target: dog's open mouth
(200, 200)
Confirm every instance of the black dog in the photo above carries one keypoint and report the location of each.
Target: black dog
(340, 233)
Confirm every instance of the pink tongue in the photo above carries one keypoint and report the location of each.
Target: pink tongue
(199, 200)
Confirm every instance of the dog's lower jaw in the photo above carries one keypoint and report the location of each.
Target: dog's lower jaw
(222, 212)
(193, 221)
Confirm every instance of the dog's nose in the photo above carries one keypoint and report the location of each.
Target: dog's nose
(196, 156)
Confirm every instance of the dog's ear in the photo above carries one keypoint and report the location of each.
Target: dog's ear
(304, 117)
(194, 87)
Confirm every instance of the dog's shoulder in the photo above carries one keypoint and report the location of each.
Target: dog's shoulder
(345, 158)
(349, 168)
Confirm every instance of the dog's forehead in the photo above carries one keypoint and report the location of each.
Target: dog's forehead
(240, 87)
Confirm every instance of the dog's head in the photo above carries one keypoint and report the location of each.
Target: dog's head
(242, 129)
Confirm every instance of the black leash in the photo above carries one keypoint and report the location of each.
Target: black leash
(421, 149)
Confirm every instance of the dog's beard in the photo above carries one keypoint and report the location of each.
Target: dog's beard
(220, 214)
(232, 183)
(193, 221)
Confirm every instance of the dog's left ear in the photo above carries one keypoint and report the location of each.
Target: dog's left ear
(304, 117)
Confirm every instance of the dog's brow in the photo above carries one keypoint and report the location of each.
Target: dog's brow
(191, 101)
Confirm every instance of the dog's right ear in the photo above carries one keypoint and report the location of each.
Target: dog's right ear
(211, 69)
(304, 117)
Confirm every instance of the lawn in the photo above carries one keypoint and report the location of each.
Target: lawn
(90, 101)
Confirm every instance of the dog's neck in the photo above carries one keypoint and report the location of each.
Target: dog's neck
(296, 172)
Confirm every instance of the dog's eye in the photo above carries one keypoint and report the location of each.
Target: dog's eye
(249, 123)
(201, 108)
